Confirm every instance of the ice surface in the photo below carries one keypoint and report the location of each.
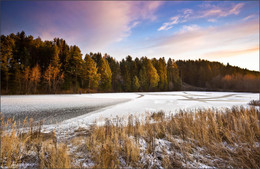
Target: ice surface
(18, 103)
(97, 107)
(56, 108)
(169, 102)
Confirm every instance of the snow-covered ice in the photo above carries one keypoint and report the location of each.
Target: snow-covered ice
(111, 105)
(56, 108)
(169, 102)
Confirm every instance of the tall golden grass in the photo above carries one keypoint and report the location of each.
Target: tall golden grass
(30, 147)
(228, 137)
(216, 138)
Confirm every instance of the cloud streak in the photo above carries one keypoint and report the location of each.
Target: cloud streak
(230, 53)
(249, 17)
(168, 25)
(210, 11)
(218, 11)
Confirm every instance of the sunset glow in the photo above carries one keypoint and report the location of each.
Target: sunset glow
(227, 32)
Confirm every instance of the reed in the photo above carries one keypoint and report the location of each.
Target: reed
(189, 139)
(28, 146)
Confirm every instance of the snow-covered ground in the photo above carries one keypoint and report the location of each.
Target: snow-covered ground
(111, 105)
(169, 102)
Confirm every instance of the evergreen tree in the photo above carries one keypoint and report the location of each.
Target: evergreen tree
(73, 68)
(7, 46)
(152, 75)
(143, 79)
(116, 73)
(18, 79)
(90, 73)
(136, 84)
(124, 67)
(160, 66)
(106, 74)
(174, 81)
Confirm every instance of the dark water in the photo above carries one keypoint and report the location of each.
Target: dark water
(52, 109)
(51, 116)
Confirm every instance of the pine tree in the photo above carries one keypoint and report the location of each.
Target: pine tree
(55, 60)
(144, 83)
(136, 84)
(160, 66)
(152, 75)
(174, 80)
(106, 74)
(116, 73)
(125, 69)
(73, 67)
(90, 73)
(7, 46)
(18, 78)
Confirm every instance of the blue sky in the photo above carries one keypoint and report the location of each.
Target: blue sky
(213, 30)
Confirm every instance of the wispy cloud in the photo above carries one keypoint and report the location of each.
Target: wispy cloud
(220, 11)
(189, 28)
(187, 13)
(205, 11)
(249, 17)
(168, 25)
(181, 18)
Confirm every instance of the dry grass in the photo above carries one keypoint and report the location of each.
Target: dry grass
(29, 147)
(228, 138)
(254, 103)
(213, 138)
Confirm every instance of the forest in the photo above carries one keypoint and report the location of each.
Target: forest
(32, 66)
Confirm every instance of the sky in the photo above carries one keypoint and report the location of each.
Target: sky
(226, 31)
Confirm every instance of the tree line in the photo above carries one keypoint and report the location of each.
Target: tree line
(216, 76)
(30, 65)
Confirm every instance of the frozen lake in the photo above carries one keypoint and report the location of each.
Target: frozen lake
(54, 108)
(75, 110)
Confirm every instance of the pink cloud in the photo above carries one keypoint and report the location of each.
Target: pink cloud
(94, 25)
(219, 11)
